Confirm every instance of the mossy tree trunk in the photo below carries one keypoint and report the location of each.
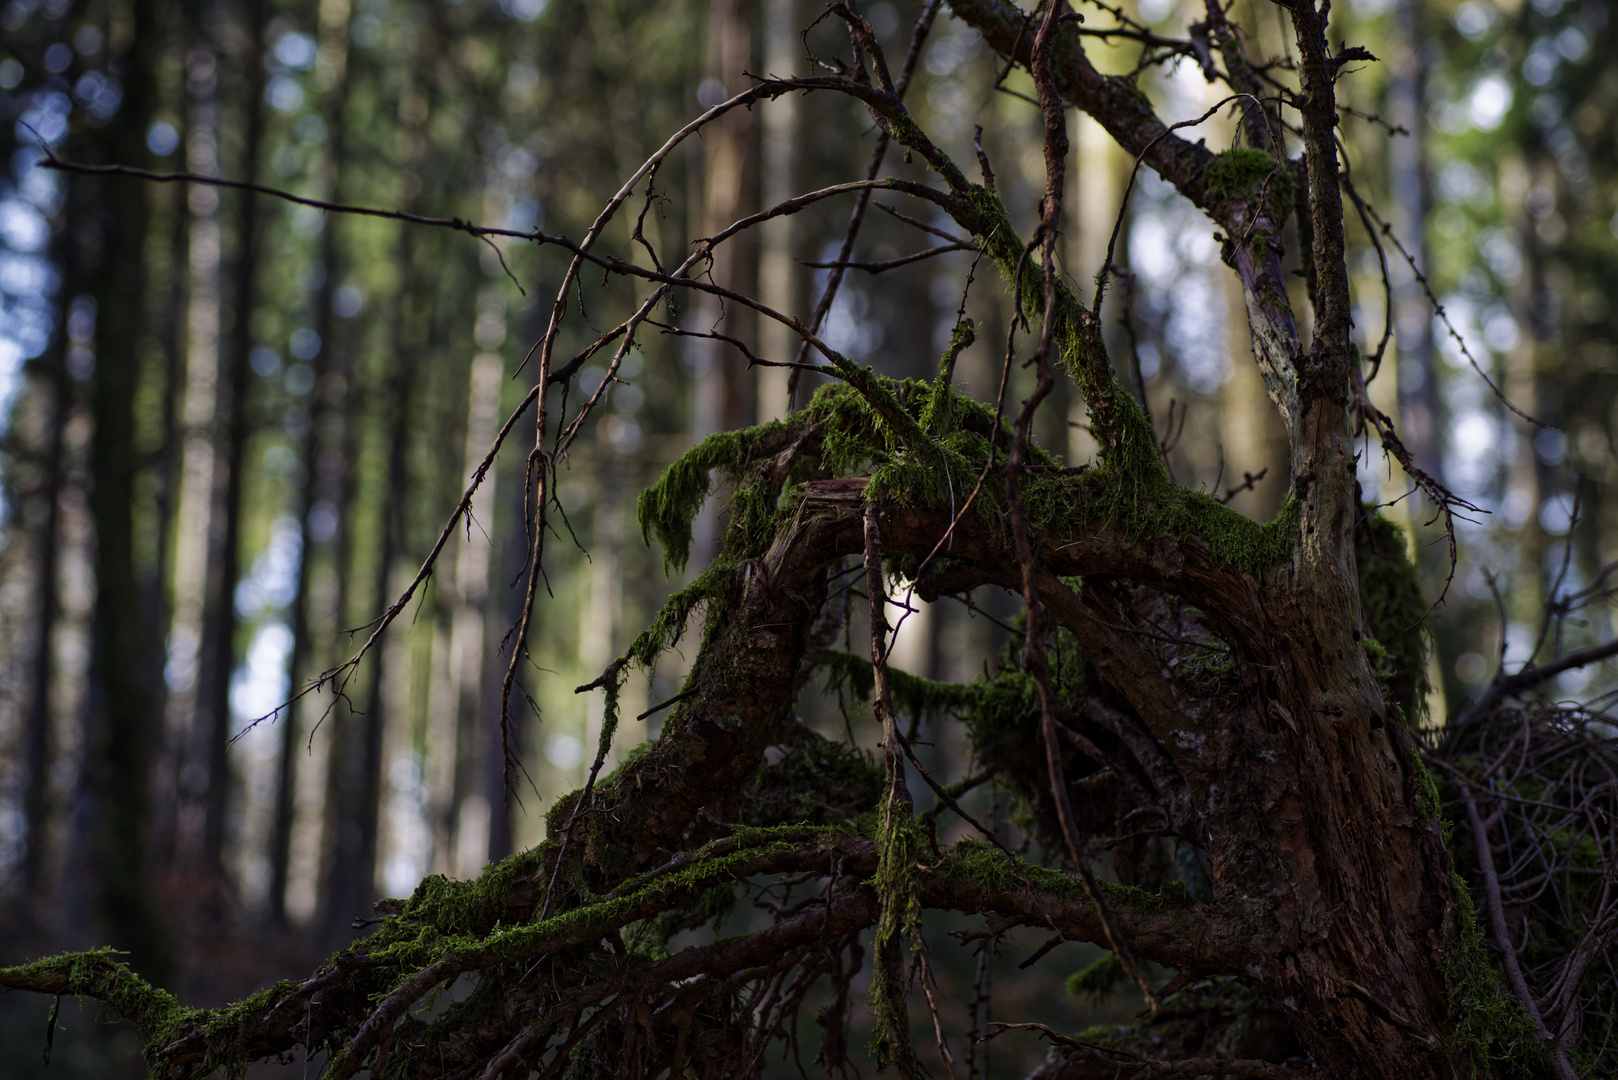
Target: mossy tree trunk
(1328, 873)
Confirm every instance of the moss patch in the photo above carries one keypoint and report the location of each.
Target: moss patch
(1490, 1024)
(1391, 598)
(1243, 171)
(1097, 980)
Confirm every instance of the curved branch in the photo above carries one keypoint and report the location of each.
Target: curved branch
(1505, 685)
(1249, 218)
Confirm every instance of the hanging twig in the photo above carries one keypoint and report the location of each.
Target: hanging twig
(1056, 146)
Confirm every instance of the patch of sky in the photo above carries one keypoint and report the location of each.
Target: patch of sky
(273, 581)
(409, 840)
(883, 19)
(524, 216)
(305, 344)
(260, 683)
(1499, 249)
(348, 301)
(300, 379)
(1490, 101)
(1556, 513)
(265, 361)
(162, 139)
(99, 94)
(22, 227)
(1551, 446)
(1474, 19)
(296, 50)
(849, 329)
(46, 115)
(308, 221)
(1171, 248)
(950, 50)
(1370, 9)
(310, 130)
(1540, 66)
(1462, 182)
(284, 94)
(564, 751)
(87, 39)
(1500, 331)
(524, 10)
(518, 163)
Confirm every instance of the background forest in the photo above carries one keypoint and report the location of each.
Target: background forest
(191, 533)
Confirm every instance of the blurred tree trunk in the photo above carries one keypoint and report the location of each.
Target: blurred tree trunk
(182, 835)
(341, 841)
(1419, 404)
(171, 334)
(723, 392)
(1255, 439)
(778, 278)
(358, 756)
(323, 439)
(503, 614)
(122, 723)
(54, 374)
(220, 622)
(459, 807)
(356, 763)
(1524, 479)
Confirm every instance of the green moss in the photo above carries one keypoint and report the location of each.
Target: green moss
(668, 625)
(668, 507)
(465, 907)
(1395, 614)
(225, 1030)
(1132, 490)
(982, 862)
(1243, 171)
(1490, 1024)
(996, 871)
(1428, 802)
(912, 695)
(157, 1015)
(815, 782)
(895, 882)
(1005, 246)
(1135, 495)
(1097, 980)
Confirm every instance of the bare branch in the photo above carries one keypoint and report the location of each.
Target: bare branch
(1505, 685)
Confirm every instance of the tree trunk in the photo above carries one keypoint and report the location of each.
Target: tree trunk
(723, 390)
(199, 412)
(357, 755)
(122, 724)
(219, 622)
(323, 442)
(36, 797)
